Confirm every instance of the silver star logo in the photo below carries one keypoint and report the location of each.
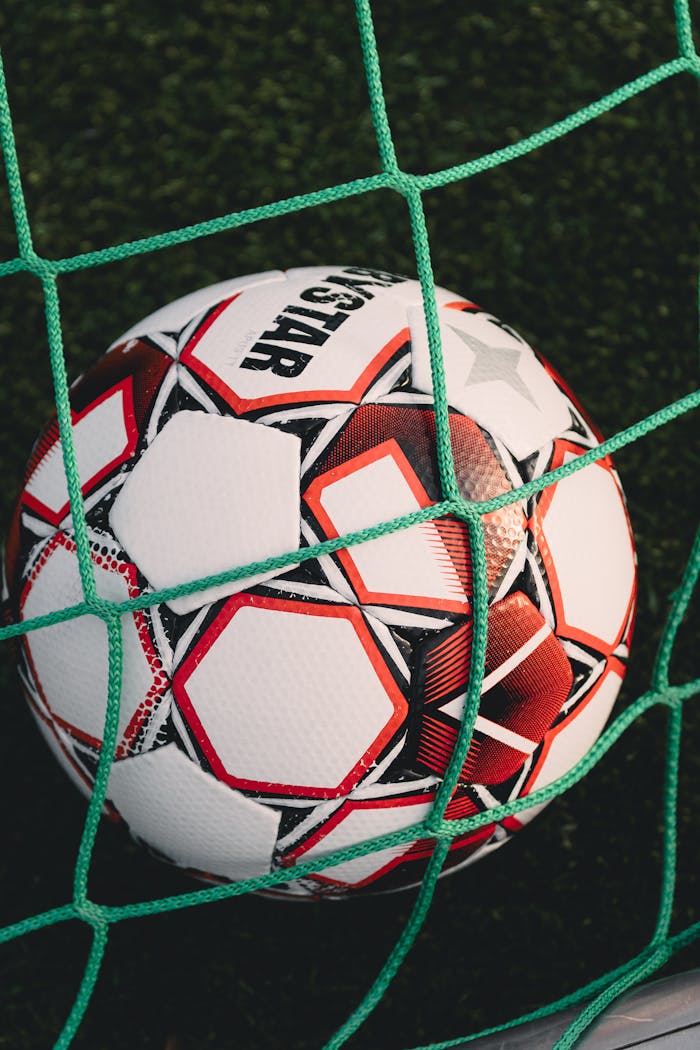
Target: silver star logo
(494, 362)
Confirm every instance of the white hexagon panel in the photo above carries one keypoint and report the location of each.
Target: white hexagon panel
(356, 822)
(289, 697)
(585, 541)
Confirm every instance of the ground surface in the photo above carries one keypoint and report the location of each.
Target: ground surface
(137, 117)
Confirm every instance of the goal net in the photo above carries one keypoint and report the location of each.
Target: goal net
(101, 918)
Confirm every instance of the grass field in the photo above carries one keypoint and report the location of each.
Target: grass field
(136, 118)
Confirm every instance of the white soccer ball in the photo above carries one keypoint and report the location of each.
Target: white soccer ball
(280, 717)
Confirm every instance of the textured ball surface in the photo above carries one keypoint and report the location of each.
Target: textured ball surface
(280, 717)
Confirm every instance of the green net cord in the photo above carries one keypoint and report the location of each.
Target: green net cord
(599, 993)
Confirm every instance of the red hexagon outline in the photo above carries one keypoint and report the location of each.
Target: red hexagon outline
(131, 730)
(125, 386)
(304, 608)
(313, 496)
(241, 405)
(297, 855)
(419, 849)
(562, 628)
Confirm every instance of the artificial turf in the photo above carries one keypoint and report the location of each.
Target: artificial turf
(136, 117)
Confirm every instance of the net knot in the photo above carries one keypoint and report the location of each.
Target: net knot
(38, 265)
(102, 607)
(402, 182)
(463, 509)
(88, 911)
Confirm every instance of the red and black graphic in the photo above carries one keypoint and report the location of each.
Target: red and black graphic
(527, 678)
(109, 407)
(407, 435)
(133, 370)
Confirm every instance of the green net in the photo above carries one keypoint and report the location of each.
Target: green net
(100, 917)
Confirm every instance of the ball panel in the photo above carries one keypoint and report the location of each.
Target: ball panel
(139, 362)
(70, 660)
(270, 718)
(105, 438)
(409, 567)
(328, 342)
(527, 678)
(104, 435)
(573, 737)
(193, 819)
(586, 544)
(357, 822)
(383, 464)
(175, 315)
(491, 376)
(180, 512)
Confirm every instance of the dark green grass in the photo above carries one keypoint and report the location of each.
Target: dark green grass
(134, 118)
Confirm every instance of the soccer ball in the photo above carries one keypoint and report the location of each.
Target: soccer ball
(276, 719)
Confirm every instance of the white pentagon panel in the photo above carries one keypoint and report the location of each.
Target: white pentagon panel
(103, 436)
(586, 530)
(492, 377)
(175, 315)
(210, 493)
(408, 567)
(191, 817)
(290, 697)
(273, 345)
(71, 659)
(361, 824)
